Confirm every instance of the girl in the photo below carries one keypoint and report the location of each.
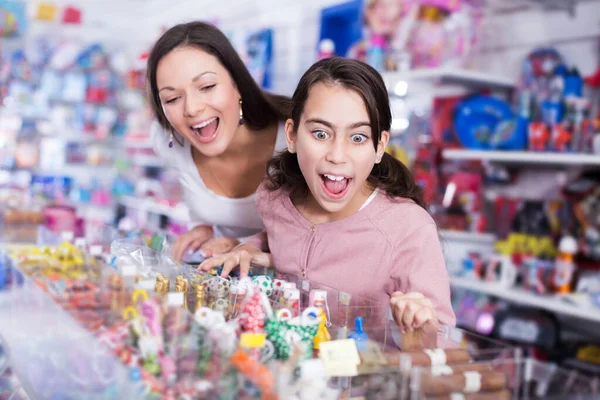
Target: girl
(216, 128)
(340, 211)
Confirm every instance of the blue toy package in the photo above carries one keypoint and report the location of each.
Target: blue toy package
(485, 122)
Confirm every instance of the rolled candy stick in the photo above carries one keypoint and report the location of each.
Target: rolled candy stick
(465, 382)
(425, 358)
(499, 395)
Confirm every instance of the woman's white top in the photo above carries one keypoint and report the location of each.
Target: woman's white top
(229, 217)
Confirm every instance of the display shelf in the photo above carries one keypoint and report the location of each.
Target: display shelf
(178, 213)
(523, 157)
(474, 237)
(143, 160)
(552, 303)
(450, 75)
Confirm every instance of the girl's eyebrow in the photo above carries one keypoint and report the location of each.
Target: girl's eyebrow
(332, 126)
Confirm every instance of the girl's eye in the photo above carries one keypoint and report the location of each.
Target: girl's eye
(358, 138)
(207, 88)
(170, 101)
(320, 135)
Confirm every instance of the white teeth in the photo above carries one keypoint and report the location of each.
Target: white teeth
(334, 178)
(205, 123)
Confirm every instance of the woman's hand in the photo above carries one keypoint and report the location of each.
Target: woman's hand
(413, 311)
(241, 256)
(191, 241)
(219, 245)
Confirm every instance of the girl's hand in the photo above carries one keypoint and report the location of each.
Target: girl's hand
(241, 256)
(191, 241)
(413, 311)
(219, 245)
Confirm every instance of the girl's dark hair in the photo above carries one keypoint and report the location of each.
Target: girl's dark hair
(390, 174)
(260, 108)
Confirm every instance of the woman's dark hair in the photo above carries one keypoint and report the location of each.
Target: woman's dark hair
(390, 174)
(260, 108)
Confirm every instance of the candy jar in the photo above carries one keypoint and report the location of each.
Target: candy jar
(564, 266)
(322, 334)
(200, 297)
(292, 301)
(237, 294)
(278, 287)
(264, 283)
(181, 285)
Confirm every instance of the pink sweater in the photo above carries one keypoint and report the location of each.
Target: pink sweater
(389, 245)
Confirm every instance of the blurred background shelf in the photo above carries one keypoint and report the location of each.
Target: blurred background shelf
(552, 303)
(524, 157)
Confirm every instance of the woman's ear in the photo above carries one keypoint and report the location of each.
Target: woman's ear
(382, 145)
(290, 135)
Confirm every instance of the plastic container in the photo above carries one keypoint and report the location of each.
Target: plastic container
(51, 353)
(510, 379)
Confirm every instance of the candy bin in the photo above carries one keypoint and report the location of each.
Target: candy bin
(67, 361)
(522, 378)
(399, 373)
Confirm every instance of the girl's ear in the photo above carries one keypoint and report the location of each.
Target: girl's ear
(381, 146)
(290, 135)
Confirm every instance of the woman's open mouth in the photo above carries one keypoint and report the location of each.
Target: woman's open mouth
(206, 131)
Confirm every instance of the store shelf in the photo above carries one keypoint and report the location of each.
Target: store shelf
(452, 76)
(549, 303)
(178, 213)
(143, 160)
(473, 237)
(524, 157)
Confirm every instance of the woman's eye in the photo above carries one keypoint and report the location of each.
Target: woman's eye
(207, 88)
(170, 101)
(321, 135)
(358, 138)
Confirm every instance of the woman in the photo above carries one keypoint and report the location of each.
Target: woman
(217, 128)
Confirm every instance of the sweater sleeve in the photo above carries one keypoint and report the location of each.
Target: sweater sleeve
(419, 266)
(259, 240)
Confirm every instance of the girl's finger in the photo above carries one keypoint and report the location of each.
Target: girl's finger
(408, 315)
(211, 263)
(245, 259)
(422, 316)
(230, 263)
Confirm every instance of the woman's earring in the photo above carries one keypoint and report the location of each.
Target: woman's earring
(171, 140)
(291, 148)
(241, 114)
(378, 159)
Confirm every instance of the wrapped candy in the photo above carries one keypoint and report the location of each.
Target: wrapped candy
(252, 322)
(264, 283)
(182, 285)
(283, 333)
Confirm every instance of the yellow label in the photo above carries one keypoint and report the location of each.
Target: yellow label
(252, 340)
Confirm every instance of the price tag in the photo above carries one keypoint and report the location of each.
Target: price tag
(129, 270)
(344, 298)
(175, 299)
(96, 250)
(305, 285)
(518, 329)
(146, 284)
(340, 357)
